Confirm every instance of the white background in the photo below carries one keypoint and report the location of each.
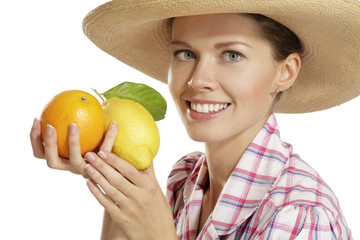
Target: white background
(43, 52)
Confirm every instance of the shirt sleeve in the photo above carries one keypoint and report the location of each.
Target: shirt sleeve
(178, 176)
(305, 222)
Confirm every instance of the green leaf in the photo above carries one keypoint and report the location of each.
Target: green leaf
(140, 93)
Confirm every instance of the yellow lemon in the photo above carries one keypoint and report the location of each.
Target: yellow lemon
(138, 139)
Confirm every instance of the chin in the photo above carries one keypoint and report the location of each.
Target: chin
(196, 135)
(199, 138)
(203, 135)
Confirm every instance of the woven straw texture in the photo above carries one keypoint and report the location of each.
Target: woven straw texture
(137, 33)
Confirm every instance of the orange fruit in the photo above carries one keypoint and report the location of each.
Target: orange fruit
(81, 108)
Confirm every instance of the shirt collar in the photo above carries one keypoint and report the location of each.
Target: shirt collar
(250, 180)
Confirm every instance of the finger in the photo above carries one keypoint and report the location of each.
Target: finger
(109, 189)
(110, 137)
(150, 171)
(35, 138)
(103, 199)
(75, 157)
(50, 147)
(51, 152)
(113, 177)
(126, 169)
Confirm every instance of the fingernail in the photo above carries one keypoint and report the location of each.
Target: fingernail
(90, 157)
(49, 130)
(72, 128)
(89, 168)
(102, 155)
(35, 122)
(113, 125)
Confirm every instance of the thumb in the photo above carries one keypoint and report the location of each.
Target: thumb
(109, 138)
(150, 171)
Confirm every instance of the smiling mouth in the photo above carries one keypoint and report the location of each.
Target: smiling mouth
(207, 107)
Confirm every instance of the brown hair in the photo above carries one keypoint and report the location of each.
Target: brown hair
(283, 41)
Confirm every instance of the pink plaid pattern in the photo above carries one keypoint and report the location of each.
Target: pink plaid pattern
(271, 194)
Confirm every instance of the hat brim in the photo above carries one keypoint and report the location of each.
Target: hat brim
(136, 32)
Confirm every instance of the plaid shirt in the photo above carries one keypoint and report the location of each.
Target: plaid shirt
(270, 194)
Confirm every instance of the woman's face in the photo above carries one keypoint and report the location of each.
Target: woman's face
(222, 77)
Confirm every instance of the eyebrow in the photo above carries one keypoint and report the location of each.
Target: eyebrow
(184, 44)
(217, 45)
(226, 44)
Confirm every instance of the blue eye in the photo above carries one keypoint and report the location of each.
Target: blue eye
(232, 56)
(184, 55)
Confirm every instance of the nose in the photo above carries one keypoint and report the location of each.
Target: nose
(202, 78)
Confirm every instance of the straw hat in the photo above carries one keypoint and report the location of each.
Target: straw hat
(137, 33)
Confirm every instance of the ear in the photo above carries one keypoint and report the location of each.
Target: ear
(289, 71)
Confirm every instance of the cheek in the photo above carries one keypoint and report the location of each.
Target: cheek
(172, 83)
(249, 87)
(177, 79)
(175, 86)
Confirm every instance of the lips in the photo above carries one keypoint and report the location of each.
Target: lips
(205, 110)
(208, 108)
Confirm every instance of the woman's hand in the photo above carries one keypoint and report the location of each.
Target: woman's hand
(133, 199)
(47, 149)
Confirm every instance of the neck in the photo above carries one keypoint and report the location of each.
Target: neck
(222, 158)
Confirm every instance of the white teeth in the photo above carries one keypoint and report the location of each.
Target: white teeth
(206, 108)
(211, 108)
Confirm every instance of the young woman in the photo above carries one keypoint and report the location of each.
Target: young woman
(228, 72)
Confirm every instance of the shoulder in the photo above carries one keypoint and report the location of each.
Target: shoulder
(304, 221)
(301, 198)
(298, 183)
(183, 173)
